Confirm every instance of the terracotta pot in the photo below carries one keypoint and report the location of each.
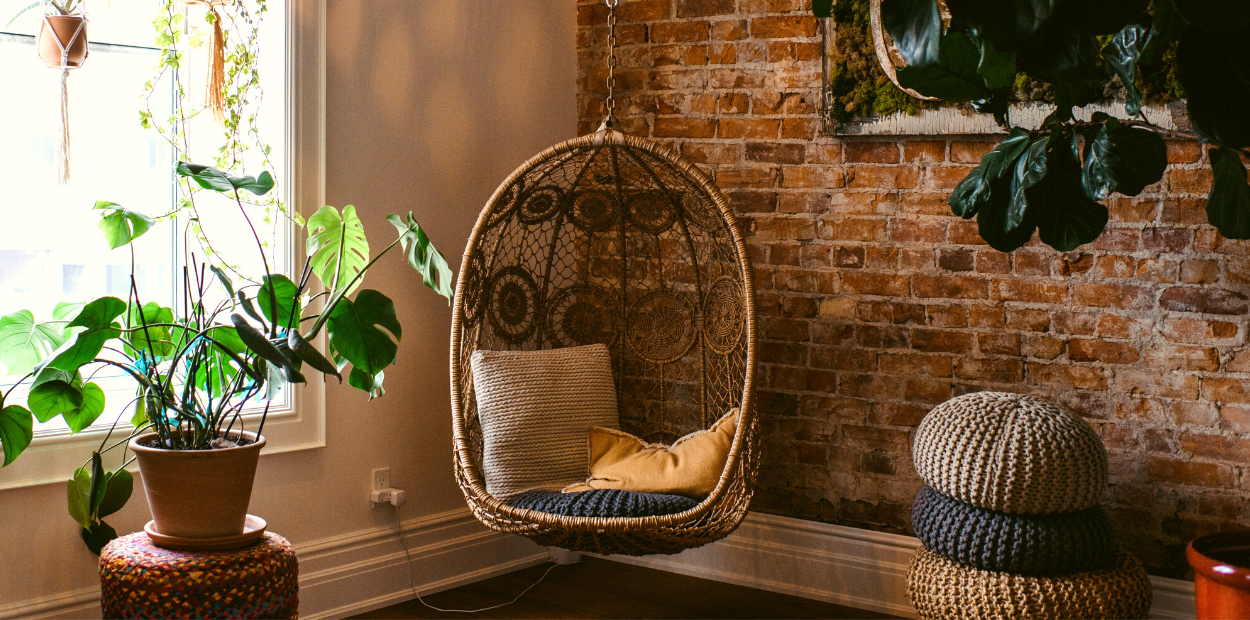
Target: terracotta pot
(1221, 564)
(63, 29)
(198, 493)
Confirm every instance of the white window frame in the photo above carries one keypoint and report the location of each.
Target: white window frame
(299, 425)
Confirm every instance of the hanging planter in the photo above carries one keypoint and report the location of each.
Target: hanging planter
(62, 44)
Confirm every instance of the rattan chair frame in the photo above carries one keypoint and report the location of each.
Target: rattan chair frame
(713, 518)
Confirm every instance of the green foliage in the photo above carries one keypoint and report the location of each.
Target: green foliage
(25, 342)
(338, 247)
(355, 334)
(1052, 185)
(278, 294)
(17, 429)
(422, 256)
(121, 226)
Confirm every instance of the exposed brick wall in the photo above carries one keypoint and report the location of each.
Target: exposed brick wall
(876, 303)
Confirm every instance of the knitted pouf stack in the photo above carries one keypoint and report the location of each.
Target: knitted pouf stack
(1009, 518)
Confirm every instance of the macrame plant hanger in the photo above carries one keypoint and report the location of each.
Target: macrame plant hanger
(215, 89)
(63, 143)
(617, 240)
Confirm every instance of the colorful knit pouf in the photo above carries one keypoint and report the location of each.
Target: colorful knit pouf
(140, 580)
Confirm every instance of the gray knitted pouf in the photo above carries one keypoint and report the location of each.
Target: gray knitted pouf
(604, 503)
(1011, 453)
(1021, 544)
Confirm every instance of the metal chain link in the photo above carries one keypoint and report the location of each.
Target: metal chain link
(611, 101)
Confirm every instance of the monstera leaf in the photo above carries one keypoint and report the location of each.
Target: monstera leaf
(216, 180)
(338, 247)
(121, 226)
(97, 318)
(355, 334)
(24, 343)
(422, 256)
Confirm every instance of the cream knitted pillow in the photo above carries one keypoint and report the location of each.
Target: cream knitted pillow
(536, 408)
(1011, 453)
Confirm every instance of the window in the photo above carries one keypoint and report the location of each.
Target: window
(59, 254)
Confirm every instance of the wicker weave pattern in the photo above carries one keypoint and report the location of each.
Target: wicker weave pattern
(1023, 544)
(615, 240)
(942, 589)
(1011, 453)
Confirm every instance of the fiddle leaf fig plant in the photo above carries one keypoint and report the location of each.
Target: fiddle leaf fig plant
(1052, 179)
(225, 348)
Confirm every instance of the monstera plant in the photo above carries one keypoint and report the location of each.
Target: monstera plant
(222, 348)
(1053, 179)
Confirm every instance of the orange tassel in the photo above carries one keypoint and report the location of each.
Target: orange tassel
(215, 98)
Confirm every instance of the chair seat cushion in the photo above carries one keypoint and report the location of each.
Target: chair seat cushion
(692, 466)
(604, 503)
(1028, 545)
(535, 408)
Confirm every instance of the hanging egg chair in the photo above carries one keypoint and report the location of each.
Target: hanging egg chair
(614, 239)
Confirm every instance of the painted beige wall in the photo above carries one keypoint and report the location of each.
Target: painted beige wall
(430, 104)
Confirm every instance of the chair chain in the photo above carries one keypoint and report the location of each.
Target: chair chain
(611, 101)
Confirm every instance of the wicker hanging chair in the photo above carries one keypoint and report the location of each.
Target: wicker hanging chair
(617, 240)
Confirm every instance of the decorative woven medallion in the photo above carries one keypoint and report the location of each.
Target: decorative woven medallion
(701, 212)
(651, 211)
(505, 205)
(1011, 453)
(140, 580)
(661, 326)
(580, 315)
(540, 204)
(724, 319)
(593, 210)
(475, 272)
(941, 589)
(513, 304)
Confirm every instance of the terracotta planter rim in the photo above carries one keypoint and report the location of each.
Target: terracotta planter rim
(256, 443)
(1223, 573)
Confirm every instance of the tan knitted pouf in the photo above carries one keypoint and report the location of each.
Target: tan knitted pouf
(941, 589)
(1011, 453)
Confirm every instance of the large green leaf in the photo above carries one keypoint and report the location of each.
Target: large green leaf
(973, 193)
(17, 429)
(1029, 170)
(92, 406)
(998, 69)
(258, 344)
(1122, 159)
(216, 180)
(1099, 17)
(120, 485)
(308, 353)
(915, 26)
(284, 300)
(121, 226)
(1121, 54)
(97, 535)
(1166, 27)
(992, 222)
(1217, 17)
(363, 381)
(24, 343)
(80, 496)
(422, 255)
(355, 334)
(1066, 217)
(150, 338)
(337, 245)
(1228, 206)
(67, 311)
(1013, 25)
(54, 392)
(954, 76)
(1215, 72)
(97, 318)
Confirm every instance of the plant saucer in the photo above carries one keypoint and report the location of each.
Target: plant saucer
(253, 531)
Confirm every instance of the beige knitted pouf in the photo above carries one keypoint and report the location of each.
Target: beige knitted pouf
(942, 589)
(1011, 453)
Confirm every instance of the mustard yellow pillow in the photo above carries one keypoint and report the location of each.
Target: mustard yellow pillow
(692, 466)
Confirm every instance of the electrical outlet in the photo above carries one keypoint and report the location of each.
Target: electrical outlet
(381, 478)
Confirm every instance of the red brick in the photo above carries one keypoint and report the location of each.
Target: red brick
(779, 153)
(1111, 296)
(1084, 377)
(783, 27)
(1183, 152)
(748, 128)
(999, 344)
(683, 127)
(952, 287)
(1185, 181)
(757, 178)
(1175, 471)
(941, 341)
(1106, 351)
(704, 8)
(876, 283)
(915, 365)
(924, 151)
(1197, 330)
(1204, 300)
(881, 177)
(1170, 385)
(870, 152)
(1035, 291)
(965, 152)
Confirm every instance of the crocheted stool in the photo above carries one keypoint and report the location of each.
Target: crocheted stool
(140, 580)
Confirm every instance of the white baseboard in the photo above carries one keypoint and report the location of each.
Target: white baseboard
(362, 570)
(843, 565)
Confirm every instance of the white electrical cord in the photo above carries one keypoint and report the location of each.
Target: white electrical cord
(399, 532)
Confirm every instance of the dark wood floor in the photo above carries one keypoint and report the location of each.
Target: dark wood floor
(602, 589)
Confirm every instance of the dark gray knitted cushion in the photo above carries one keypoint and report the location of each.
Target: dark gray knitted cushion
(1021, 544)
(604, 503)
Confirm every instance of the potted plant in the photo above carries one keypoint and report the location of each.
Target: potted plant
(1221, 564)
(62, 40)
(198, 364)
